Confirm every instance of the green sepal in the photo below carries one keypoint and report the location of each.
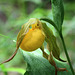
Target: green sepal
(51, 40)
(45, 55)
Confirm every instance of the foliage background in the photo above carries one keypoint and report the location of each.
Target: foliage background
(14, 13)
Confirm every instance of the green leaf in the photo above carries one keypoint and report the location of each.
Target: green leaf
(38, 65)
(58, 12)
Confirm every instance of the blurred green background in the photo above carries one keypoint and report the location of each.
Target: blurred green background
(14, 13)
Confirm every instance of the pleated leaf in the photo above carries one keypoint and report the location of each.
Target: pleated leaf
(38, 65)
(58, 12)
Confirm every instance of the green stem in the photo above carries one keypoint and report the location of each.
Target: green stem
(66, 53)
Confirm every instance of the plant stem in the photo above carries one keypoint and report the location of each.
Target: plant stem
(66, 53)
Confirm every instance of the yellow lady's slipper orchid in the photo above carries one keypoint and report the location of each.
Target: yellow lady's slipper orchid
(33, 39)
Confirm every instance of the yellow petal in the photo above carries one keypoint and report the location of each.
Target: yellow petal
(32, 40)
